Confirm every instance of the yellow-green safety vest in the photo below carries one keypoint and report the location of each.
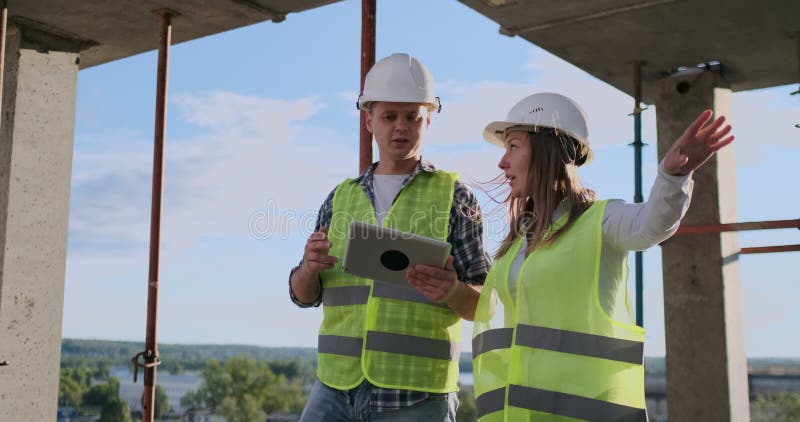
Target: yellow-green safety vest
(552, 353)
(392, 336)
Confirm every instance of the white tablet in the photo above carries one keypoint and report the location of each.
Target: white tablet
(384, 254)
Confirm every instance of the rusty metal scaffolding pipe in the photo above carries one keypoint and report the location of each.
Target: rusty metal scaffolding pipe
(797, 39)
(151, 341)
(770, 249)
(753, 225)
(367, 60)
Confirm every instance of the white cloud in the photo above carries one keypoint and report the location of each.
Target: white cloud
(226, 112)
(764, 118)
(760, 118)
(471, 107)
(478, 164)
(268, 317)
(350, 98)
(347, 95)
(255, 154)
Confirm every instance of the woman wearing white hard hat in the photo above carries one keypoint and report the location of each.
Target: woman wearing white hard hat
(554, 337)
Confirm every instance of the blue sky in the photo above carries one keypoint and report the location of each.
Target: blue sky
(262, 125)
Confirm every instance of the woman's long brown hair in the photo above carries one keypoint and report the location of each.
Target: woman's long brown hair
(552, 178)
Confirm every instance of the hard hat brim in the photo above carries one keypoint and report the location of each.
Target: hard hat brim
(494, 133)
(432, 105)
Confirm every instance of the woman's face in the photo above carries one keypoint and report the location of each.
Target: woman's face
(516, 161)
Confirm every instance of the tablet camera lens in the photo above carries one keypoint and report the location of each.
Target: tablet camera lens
(394, 260)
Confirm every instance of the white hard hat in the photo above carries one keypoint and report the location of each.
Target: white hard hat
(399, 78)
(544, 109)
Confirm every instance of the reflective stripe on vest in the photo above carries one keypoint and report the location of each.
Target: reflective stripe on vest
(560, 404)
(339, 345)
(412, 345)
(580, 343)
(490, 402)
(345, 295)
(390, 343)
(561, 341)
(389, 291)
(572, 406)
(359, 295)
(499, 338)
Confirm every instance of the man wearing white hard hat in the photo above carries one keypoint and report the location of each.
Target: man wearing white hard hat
(554, 336)
(387, 352)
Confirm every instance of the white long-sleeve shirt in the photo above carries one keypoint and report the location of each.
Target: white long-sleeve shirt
(630, 227)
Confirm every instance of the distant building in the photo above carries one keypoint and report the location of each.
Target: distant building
(283, 417)
(200, 415)
(70, 414)
(65, 413)
(175, 386)
(760, 381)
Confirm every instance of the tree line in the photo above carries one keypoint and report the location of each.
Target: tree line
(247, 383)
(89, 390)
(241, 383)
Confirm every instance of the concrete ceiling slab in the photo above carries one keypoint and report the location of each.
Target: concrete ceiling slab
(113, 29)
(755, 41)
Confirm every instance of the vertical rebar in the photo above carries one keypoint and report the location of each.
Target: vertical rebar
(151, 342)
(797, 38)
(637, 182)
(3, 28)
(367, 60)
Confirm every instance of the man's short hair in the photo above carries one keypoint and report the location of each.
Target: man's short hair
(370, 105)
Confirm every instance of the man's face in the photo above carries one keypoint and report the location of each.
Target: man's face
(398, 129)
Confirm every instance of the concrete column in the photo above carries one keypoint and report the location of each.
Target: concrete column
(36, 138)
(706, 365)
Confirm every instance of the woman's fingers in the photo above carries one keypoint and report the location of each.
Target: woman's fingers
(697, 144)
(698, 123)
(719, 145)
(708, 131)
(716, 136)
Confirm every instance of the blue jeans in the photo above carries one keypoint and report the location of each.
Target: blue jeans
(326, 404)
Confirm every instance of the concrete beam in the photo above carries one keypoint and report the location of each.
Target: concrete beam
(706, 365)
(753, 42)
(115, 29)
(36, 140)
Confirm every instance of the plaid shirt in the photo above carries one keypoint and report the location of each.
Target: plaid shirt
(470, 260)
